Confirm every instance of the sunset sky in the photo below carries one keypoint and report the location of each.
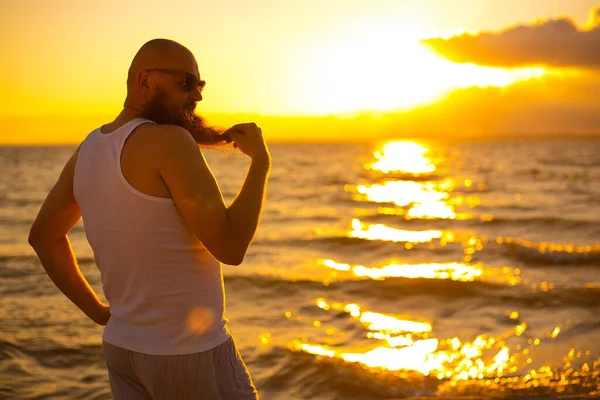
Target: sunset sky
(313, 69)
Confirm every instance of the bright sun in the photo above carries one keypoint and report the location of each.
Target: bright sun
(385, 67)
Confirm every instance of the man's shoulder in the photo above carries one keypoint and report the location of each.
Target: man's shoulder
(165, 142)
(165, 131)
(167, 137)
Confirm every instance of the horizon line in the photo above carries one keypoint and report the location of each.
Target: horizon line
(525, 136)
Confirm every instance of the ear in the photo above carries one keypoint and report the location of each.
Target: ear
(144, 80)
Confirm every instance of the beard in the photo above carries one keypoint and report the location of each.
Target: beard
(155, 110)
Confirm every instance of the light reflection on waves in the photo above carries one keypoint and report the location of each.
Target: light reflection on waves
(386, 233)
(425, 199)
(412, 350)
(478, 364)
(404, 156)
(376, 321)
(453, 271)
(551, 252)
(486, 363)
(483, 365)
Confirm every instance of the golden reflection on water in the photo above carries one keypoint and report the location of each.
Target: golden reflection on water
(550, 248)
(386, 233)
(486, 362)
(453, 271)
(403, 156)
(427, 200)
(406, 345)
(411, 349)
(376, 321)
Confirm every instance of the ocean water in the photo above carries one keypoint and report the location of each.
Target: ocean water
(379, 271)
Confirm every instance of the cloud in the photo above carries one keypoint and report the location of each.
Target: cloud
(553, 43)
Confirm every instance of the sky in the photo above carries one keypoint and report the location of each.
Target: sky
(313, 69)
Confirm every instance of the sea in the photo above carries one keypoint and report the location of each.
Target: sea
(384, 269)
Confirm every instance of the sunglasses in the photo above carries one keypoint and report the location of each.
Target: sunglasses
(190, 83)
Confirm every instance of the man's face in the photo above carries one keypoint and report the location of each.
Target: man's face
(174, 102)
(172, 106)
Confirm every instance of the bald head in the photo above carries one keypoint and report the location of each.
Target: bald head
(160, 53)
(163, 85)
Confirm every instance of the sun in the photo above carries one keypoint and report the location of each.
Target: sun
(382, 66)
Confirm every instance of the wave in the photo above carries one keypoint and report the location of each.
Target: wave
(549, 175)
(539, 254)
(23, 266)
(337, 242)
(570, 162)
(378, 177)
(32, 257)
(313, 377)
(434, 290)
(303, 375)
(394, 241)
(387, 288)
(489, 219)
(545, 221)
(27, 220)
(20, 202)
(40, 369)
(535, 254)
(51, 354)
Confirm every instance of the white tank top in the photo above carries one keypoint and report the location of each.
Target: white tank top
(164, 288)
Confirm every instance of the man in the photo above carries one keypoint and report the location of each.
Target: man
(159, 228)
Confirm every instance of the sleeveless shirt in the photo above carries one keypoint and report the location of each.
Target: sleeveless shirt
(164, 288)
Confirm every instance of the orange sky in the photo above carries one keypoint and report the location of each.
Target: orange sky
(65, 62)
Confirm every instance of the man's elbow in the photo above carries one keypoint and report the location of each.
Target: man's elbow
(38, 238)
(232, 260)
(35, 238)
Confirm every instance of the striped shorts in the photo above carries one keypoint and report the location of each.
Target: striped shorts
(216, 374)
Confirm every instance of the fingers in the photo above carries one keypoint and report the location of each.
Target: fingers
(233, 137)
(240, 132)
(233, 133)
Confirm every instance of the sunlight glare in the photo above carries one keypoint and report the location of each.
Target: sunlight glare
(380, 65)
(452, 271)
(404, 156)
(425, 199)
(386, 233)
(376, 321)
(484, 362)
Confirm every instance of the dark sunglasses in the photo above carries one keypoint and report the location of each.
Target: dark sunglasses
(190, 83)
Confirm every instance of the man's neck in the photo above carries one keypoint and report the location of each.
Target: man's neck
(126, 115)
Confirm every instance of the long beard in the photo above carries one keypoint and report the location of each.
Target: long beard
(203, 134)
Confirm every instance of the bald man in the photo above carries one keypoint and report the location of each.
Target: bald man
(159, 228)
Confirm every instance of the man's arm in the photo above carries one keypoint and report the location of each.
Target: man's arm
(225, 231)
(48, 237)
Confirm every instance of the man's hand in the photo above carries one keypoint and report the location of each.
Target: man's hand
(102, 316)
(249, 139)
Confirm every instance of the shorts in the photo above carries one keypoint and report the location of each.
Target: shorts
(215, 374)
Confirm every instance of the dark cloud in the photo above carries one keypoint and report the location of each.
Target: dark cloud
(554, 43)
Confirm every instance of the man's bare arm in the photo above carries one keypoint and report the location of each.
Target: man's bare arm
(225, 231)
(48, 237)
